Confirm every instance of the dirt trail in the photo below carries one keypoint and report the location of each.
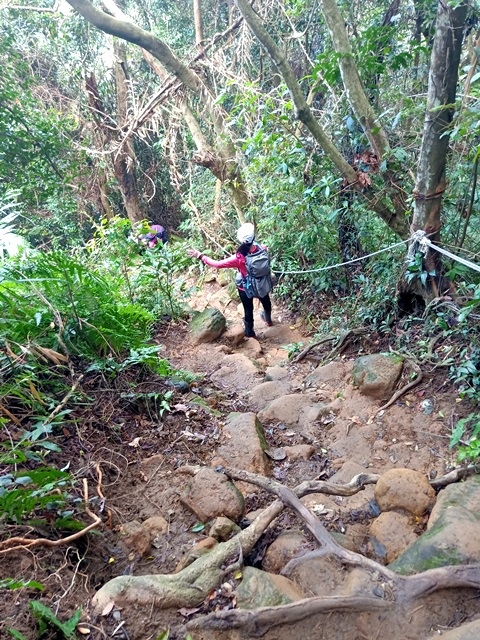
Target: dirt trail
(134, 463)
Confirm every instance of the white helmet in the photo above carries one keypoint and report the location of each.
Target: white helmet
(246, 233)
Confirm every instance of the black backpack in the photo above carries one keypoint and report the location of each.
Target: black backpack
(258, 282)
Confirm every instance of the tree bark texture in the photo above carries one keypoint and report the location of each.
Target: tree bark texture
(356, 95)
(430, 181)
(125, 160)
(197, 16)
(225, 167)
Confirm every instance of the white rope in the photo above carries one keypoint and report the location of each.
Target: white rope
(419, 241)
(424, 242)
(467, 263)
(342, 264)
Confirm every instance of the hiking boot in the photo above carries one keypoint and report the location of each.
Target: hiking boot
(248, 330)
(266, 319)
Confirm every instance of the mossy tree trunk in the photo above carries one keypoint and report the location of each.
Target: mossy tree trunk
(430, 181)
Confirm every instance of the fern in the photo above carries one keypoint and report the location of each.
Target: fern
(46, 618)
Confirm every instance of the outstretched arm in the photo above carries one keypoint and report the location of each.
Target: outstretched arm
(231, 262)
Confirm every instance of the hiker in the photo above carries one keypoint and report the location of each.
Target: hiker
(156, 233)
(247, 252)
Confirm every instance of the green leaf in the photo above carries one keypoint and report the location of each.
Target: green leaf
(164, 635)
(457, 433)
(10, 583)
(16, 634)
(199, 526)
(47, 617)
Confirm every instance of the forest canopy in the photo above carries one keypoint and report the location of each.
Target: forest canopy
(347, 132)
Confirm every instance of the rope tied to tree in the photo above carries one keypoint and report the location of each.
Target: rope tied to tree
(421, 243)
(429, 196)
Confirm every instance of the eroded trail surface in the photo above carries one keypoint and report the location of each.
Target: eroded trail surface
(158, 509)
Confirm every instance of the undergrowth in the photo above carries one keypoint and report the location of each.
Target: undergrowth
(65, 316)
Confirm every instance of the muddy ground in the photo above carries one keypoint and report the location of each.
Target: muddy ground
(129, 456)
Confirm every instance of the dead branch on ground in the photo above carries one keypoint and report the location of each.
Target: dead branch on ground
(16, 543)
(398, 394)
(343, 340)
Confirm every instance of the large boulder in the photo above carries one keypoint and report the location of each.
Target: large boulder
(377, 374)
(330, 375)
(395, 532)
(264, 393)
(405, 490)
(237, 372)
(210, 494)
(275, 373)
(294, 410)
(207, 326)
(454, 535)
(261, 589)
(469, 631)
(461, 494)
(243, 444)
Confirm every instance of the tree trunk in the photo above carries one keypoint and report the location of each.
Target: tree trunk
(356, 95)
(125, 160)
(394, 219)
(197, 15)
(121, 158)
(222, 162)
(430, 182)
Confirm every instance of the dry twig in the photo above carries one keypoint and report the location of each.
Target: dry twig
(27, 543)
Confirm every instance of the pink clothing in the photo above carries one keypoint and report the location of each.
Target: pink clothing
(236, 261)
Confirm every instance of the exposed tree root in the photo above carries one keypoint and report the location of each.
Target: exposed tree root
(190, 587)
(342, 343)
(257, 622)
(312, 345)
(16, 543)
(454, 476)
(400, 589)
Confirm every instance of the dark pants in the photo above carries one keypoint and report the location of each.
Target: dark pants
(248, 311)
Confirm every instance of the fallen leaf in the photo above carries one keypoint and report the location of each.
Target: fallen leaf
(83, 630)
(356, 420)
(188, 612)
(180, 407)
(135, 443)
(107, 608)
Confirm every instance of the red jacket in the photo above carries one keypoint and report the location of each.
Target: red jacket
(235, 261)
